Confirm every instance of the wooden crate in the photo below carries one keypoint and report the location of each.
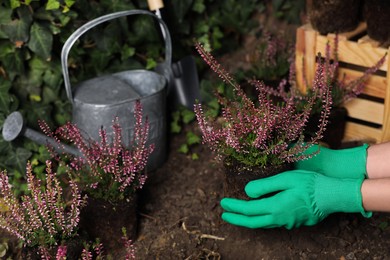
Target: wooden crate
(369, 115)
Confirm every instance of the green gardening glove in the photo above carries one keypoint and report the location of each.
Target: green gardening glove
(343, 163)
(303, 198)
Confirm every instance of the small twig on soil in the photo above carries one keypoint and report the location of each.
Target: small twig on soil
(201, 235)
(177, 222)
(211, 237)
(215, 255)
(147, 216)
(210, 255)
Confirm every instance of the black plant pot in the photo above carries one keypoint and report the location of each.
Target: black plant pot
(377, 16)
(105, 220)
(237, 175)
(335, 16)
(335, 129)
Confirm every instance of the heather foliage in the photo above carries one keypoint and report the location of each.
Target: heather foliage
(262, 133)
(107, 168)
(342, 90)
(43, 217)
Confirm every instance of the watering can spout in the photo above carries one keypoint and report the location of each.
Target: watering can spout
(14, 127)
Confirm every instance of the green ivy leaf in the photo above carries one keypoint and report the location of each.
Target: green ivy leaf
(26, 15)
(41, 41)
(199, 6)
(52, 78)
(38, 111)
(49, 95)
(16, 30)
(150, 63)
(194, 156)
(15, 4)
(183, 149)
(4, 95)
(19, 158)
(192, 138)
(181, 9)
(5, 146)
(5, 15)
(188, 116)
(35, 98)
(61, 119)
(14, 63)
(52, 5)
(38, 64)
(118, 5)
(69, 3)
(6, 48)
(214, 108)
(127, 52)
(99, 60)
(175, 126)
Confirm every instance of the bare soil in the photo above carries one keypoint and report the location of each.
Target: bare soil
(180, 219)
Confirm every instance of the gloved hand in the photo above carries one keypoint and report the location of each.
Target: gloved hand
(303, 198)
(343, 163)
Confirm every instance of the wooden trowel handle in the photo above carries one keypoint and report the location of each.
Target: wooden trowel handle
(155, 4)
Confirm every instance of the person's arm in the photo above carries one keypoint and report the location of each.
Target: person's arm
(376, 189)
(378, 161)
(376, 194)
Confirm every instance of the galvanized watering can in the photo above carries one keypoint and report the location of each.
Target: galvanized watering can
(96, 102)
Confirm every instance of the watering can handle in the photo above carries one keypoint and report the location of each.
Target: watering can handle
(166, 65)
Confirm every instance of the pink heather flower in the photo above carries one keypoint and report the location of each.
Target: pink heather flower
(341, 90)
(41, 217)
(109, 164)
(86, 255)
(45, 254)
(261, 132)
(130, 248)
(99, 250)
(61, 253)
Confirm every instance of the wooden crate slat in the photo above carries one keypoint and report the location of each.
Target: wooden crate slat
(375, 85)
(354, 53)
(367, 40)
(354, 131)
(366, 110)
(305, 56)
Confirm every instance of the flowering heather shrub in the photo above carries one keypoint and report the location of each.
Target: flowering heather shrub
(342, 91)
(261, 133)
(107, 169)
(41, 218)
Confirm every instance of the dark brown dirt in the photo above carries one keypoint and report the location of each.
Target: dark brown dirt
(180, 219)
